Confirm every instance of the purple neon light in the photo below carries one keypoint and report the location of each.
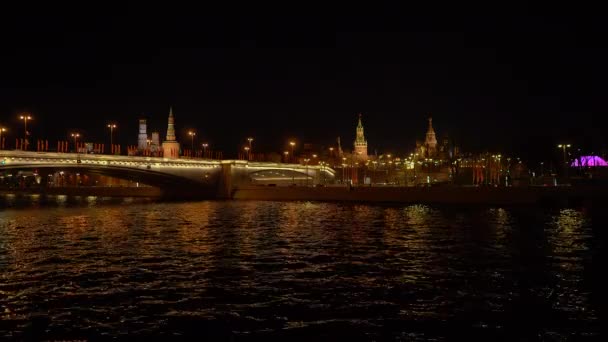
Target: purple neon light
(589, 161)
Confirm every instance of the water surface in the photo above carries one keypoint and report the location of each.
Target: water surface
(285, 270)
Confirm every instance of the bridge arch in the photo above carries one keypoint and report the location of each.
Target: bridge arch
(168, 183)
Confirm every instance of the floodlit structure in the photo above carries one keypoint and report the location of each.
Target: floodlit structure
(589, 161)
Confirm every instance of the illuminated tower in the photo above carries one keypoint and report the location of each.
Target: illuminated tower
(142, 138)
(360, 143)
(431, 140)
(154, 145)
(170, 145)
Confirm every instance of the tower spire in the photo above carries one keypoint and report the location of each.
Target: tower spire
(171, 146)
(170, 126)
(430, 130)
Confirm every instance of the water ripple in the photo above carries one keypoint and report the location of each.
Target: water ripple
(304, 270)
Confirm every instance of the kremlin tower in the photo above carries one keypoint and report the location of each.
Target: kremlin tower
(170, 145)
(431, 140)
(360, 151)
(142, 138)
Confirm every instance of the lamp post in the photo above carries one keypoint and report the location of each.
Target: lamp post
(286, 154)
(1, 130)
(192, 134)
(25, 117)
(75, 136)
(205, 150)
(306, 163)
(564, 147)
(250, 139)
(247, 151)
(293, 144)
(111, 127)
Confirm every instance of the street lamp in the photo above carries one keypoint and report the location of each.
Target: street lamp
(25, 117)
(292, 143)
(563, 147)
(205, 150)
(1, 130)
(111, 127)
(247, 151)
(75, 136)
(192, 134)
(286, 154)
(250, 140)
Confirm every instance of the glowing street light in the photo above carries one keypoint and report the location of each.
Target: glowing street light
(292, 144)
(205, 150)
(111, 127)
(192, 134)
(25, 117)
(286, 153)
(247, 151)
(2, 129)
(563, 147)
(75, 136)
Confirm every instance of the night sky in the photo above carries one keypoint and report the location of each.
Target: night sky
(519, 83)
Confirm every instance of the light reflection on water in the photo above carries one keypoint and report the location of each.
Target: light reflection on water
(94, 268)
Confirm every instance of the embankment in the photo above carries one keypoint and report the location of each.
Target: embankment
(427, 195)
(91, 191)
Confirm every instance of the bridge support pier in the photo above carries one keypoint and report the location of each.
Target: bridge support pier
(224, 189)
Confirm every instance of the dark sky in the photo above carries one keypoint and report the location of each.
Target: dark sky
(519, 83)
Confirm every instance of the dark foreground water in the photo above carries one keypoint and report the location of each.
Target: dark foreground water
(298, 270)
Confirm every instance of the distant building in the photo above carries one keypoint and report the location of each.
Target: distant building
(360, 144)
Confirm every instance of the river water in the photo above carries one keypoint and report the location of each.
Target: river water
(228, 270)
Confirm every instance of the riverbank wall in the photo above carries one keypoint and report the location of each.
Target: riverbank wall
(427, 195)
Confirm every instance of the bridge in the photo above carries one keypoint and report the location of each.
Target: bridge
(187, 177)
